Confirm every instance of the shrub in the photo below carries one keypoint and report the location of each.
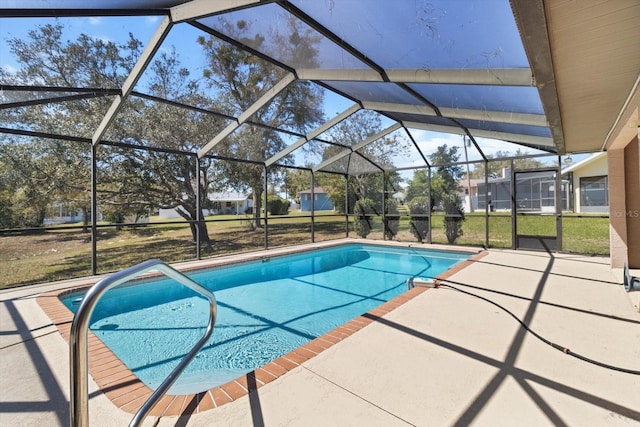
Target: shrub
(454, 216)
(391, 219)
(113, 215)
(363, 209)
(277, 205)
(7, 216)
(419, 211)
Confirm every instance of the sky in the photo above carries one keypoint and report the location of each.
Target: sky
(114, 29)
(183, 37)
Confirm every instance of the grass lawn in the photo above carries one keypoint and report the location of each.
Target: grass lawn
(50, 255)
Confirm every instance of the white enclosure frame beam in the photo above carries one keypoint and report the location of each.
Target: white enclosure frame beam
(308, 137)
(465, 76)
(202, 8)
(504, 136)
(358, 146)
(145, 58)
(355, 75)
(479, 76)
(264, 99)
(460, 113)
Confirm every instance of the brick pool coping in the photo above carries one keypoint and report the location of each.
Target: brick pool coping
(128, 393)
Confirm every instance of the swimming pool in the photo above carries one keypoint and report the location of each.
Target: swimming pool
(266, 308)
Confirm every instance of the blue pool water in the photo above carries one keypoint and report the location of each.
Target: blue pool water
(266, 308)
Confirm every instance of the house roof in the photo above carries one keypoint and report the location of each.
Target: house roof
(316, 190)
(473, 182)
(584, 162)
(227, 197)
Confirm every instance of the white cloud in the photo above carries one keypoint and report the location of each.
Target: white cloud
(95, 20)
(430, 141)
(9, 68)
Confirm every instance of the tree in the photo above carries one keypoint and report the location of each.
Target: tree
(295, 181)
(364, 210)
(419, 208)
(418, 185)
(45, 59)
(447, 173)
(391, 219)
(27, 188)
(368, 184)
(444, 178)
(454, 216)
(165, 175)
(7, 219)
(240, 79)
(130, 180)
(445, 189)
(335, 185)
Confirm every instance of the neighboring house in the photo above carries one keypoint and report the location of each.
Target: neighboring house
(469, 193)
(224, 203)
(321, 201)
(230, 203)
(535, 193)
(60, 213)
(585, 189)
(590, 183)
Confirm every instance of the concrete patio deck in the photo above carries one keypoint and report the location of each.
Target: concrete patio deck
(442, 358)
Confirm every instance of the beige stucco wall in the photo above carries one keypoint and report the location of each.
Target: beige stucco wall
(623, 152)
(617, 203)
(632, 214)
(624, 204)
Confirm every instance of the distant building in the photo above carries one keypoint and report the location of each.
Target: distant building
(61, 213)
(584, 187)
(535, 193)
(590, 183)
(469, 193)
(230, 203)
(321, 201)
(224, 203)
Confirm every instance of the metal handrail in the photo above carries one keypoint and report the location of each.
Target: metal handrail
(79, 399)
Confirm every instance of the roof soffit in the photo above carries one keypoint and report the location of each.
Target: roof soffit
(595, 49)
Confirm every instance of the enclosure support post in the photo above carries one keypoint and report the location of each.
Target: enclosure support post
(198, 207)
(264, 202)
(94, 211)
(384, 206)
(514, 212)
(466, 159)
(558, 194)
(313, 207)
(430, 207)
(346, 205)
(486, 204)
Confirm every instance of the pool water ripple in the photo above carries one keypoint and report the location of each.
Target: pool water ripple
(265, 310)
